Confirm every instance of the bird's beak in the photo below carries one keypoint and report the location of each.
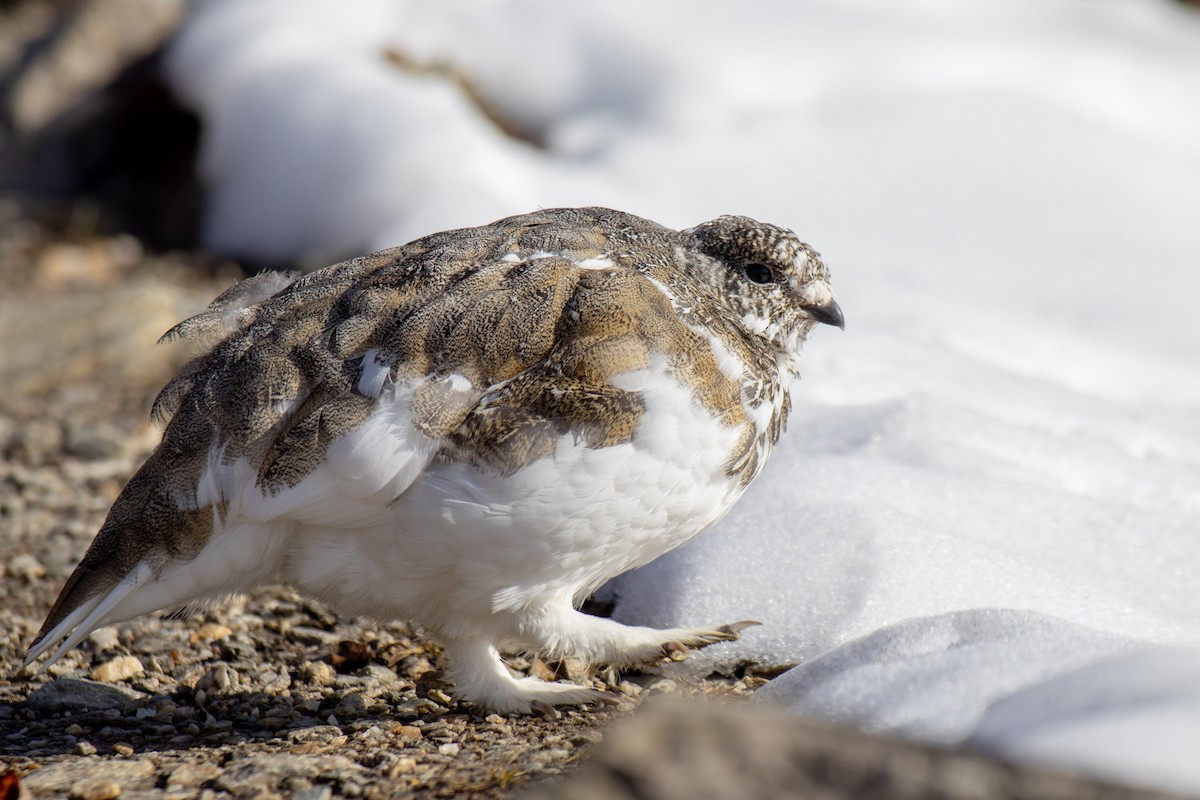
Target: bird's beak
(829, 314)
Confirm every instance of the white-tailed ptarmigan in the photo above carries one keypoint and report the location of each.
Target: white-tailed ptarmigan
(473, 432)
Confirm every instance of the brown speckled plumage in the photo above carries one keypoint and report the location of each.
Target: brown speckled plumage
(510, 337)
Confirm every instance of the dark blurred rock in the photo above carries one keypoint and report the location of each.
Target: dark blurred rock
(702, 751)
(78, 696)
(90, 137)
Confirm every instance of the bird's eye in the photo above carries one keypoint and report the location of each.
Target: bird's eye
(759, 273)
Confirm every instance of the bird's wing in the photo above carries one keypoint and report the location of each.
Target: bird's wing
(323, 399)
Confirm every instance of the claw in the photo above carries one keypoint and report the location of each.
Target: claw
(675, 651)
(544, 710)
(734, 629)
(607, 699)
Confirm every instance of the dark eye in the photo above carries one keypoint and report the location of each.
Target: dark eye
(759, 273)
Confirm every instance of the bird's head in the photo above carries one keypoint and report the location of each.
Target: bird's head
(777, 284)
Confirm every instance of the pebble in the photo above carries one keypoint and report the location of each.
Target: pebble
(449, 749)
(121, 668)
(25, 567)
(64, 776)
(95, 441)
(210, 631)
(218, 679)
(78, 696)
(322, 792)
(104, 639)
(407, 732)
(317, 673)
(187, 776)
(95, 789)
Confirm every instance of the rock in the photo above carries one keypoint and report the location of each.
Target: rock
(407, 732)
(322, 792)
(676, 750)
(121, 668)
(65, 776)
(210, 631)
(449, 749)
(104, 639)
(25, 567)
(95, 789)
(266, 773)
(189, 776)
(219, 680)
(380, 674)
(79, 696)
(317, 673)
(96, 441)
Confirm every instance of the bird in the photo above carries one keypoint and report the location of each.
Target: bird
(472, 432)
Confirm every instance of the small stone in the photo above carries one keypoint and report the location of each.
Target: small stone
(438, 696)
(210, 631)
(380, 674)
(321, 792)
(25, 567)
(95, 789)
(317, 673)
(351, 706)
(85, 748)
(449, 749)
(117, 669)
(122, 749)
(78, 696)
(61, 778)
(187, 776)
(104, 639)
(73, 730)
(95, 442)
(372, 734)
(403, 766)
(219, 679)
(663, 686)
(407, 732)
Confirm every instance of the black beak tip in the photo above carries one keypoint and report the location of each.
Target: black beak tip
(828, 315)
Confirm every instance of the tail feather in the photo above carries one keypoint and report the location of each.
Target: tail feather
(234, 561)
(92, 614)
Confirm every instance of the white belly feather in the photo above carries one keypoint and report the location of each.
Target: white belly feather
(463, 541)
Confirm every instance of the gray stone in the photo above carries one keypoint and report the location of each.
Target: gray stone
(77, 695)
(267, 773)
(61, 777)
(676, 750)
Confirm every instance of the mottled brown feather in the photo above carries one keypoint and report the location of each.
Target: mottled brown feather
(508, 307)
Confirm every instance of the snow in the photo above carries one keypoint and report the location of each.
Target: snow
(982, 526)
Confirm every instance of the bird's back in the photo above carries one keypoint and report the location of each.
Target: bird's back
(490, 344)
